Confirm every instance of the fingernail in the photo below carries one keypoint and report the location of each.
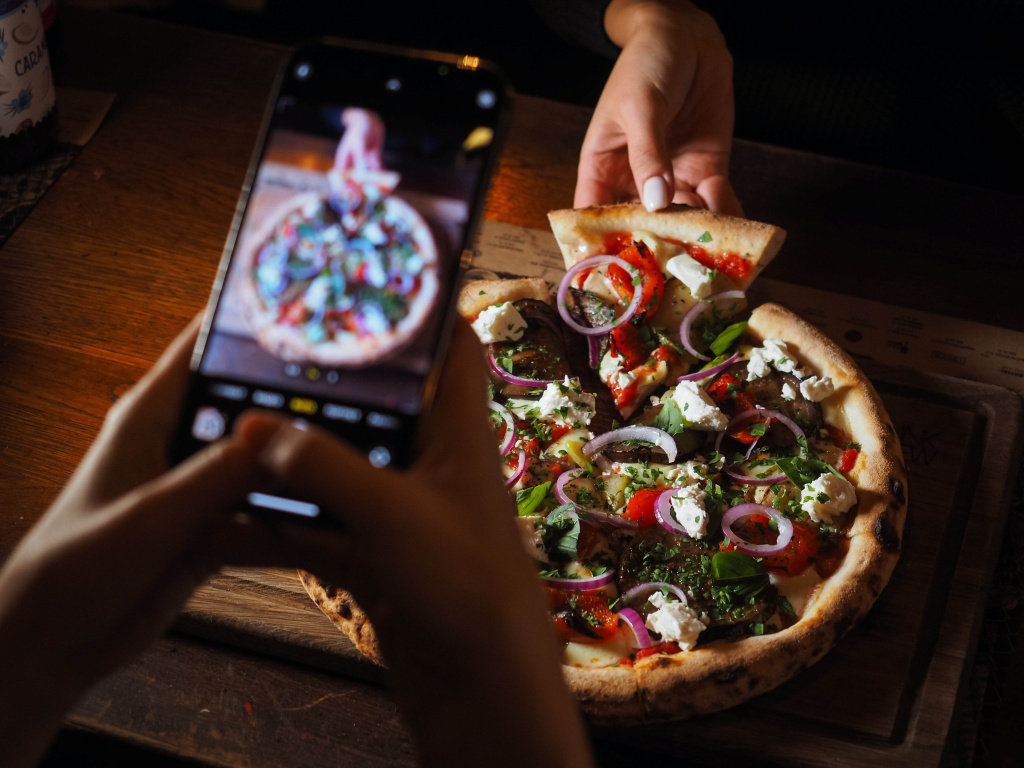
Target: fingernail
(655, 193)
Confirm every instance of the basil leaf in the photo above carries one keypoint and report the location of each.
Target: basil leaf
(528, 499)
(705, 238)
(725, 339)
(757, 429)
(802, 471)
(560, 532)
(669, 418)
(786, 607)
(731, 566)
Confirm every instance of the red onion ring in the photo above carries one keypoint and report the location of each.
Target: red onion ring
(748, 415)
(749, 548)
(649, 587)
(520, 469)
(510, 426)
(699, 375)
(593, 352)
(747, 479)
(594, 515)
(663, 512)
(636, 624)
(590, 263)
(636, 432)
(511, 379)
(696, 309)
(582, 585)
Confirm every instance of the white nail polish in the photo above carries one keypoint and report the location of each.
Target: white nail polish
(655, 193)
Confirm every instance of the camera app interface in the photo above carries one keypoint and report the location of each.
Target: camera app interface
(341, 273)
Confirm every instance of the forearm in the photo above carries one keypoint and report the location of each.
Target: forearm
(35, 694)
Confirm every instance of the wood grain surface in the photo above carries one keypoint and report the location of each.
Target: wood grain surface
(121, 252)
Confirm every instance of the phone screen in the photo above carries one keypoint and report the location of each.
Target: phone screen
(334, 296)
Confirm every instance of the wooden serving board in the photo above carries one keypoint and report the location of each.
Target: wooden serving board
(886, 693)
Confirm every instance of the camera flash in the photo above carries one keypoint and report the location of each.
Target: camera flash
(303, 71)
(485, 99)
(394, 84)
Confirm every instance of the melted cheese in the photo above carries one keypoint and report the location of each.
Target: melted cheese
(800, 590)
(593, 655)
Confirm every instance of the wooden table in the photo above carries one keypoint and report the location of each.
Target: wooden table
(121, 252)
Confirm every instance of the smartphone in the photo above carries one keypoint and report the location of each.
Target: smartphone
(335, 294)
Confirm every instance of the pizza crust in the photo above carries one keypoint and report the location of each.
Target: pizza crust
(343, 611)
(580, 232)
(476, 295)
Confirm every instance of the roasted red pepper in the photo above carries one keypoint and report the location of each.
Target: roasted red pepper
(652, 284)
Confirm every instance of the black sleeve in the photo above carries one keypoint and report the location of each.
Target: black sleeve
(581, 21)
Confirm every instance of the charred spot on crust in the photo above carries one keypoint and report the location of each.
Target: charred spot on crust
(896, 489)
(727, 675)
(843, 626)
(752, 683)
(345, 611)
(875, 584)
(664, 661)
(886, 536)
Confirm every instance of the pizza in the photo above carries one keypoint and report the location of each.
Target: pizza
(714, 515)
(343, 279)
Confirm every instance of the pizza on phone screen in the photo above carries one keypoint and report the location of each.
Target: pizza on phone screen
(712, 497)
(344, 279)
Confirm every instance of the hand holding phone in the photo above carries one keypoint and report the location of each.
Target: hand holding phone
(334, 298)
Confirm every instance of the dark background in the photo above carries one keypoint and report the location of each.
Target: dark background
(935, 88)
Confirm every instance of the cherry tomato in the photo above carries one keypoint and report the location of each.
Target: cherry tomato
(798, 554)
(640, 508)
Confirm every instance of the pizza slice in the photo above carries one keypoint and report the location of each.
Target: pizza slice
(677, 258)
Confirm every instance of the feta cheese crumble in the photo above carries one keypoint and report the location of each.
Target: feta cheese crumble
(827, 498)
(691, 273)
(698, 409)
(502, 322)
(815, 389)
(772, 354)
(566, 403)
(689, 510)
(788, 393)
(676, 622)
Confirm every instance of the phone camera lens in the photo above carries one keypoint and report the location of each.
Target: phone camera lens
(303, 70)
(394, 84)
(485, 99)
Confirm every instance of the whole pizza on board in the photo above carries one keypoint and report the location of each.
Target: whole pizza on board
(712, 498)
(343, 279)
